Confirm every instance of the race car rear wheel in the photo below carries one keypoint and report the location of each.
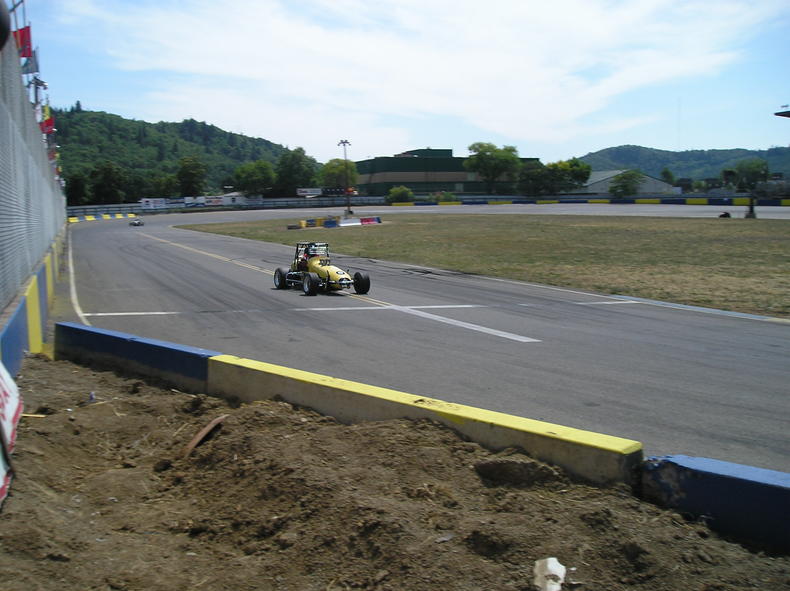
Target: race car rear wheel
(361, 282)
(280, 278)
(310, 283)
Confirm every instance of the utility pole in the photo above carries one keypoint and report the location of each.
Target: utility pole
(345, 143)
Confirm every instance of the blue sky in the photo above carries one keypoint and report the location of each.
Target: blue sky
(554, 79)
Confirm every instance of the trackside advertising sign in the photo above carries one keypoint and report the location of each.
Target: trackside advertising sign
(308, 191)
(10, 411)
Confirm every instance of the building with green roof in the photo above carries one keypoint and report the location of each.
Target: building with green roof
(426, 170)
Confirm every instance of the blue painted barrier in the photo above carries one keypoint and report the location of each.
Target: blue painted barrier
(13, 339)
(751, 504)
(186, 367)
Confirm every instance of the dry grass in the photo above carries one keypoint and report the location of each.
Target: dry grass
(732, 264)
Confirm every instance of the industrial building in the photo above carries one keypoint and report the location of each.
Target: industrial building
(423, 171)
(599, 181)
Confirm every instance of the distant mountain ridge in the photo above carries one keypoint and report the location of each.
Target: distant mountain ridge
(694, 164)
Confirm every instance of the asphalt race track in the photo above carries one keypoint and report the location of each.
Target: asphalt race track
(680, 381)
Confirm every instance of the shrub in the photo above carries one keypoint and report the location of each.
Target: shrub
(400, 194)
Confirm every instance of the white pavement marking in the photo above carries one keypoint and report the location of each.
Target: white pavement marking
(605, 303)
(703, 310)
(133, 313)
(384, 306)
(417, 311)
(467, 325)
(73, 287)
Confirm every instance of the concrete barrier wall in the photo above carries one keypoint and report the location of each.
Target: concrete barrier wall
(102, 216)
(23, 325)
(184, 367)
(748, 503)
(594, 457)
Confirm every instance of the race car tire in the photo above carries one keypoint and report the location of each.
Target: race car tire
(280, 278)
(361, 282)
(310, 283)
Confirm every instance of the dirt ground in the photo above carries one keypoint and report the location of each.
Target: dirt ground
(282, 498)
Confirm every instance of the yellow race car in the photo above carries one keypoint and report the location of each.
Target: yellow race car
(313, 271)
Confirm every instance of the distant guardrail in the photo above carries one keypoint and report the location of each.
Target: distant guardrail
(83, 211)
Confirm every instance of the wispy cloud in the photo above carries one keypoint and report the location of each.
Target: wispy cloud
(309, 72)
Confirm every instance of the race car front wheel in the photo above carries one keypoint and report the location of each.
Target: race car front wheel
(280, 275)
(310, 284)
(361, 282)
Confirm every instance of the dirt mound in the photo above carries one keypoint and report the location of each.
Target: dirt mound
(282, 498)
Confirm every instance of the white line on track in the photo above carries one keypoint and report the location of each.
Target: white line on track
(383, 306)
(134, 314)
(467, 325)
(417, 311)
(73, 288)
(607, 303)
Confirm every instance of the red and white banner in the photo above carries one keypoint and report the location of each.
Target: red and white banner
(10, 411)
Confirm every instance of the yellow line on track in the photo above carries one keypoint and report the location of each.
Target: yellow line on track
(211, 254)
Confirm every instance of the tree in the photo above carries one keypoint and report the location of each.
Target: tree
(77, 189)
(106, 182)
(254, 178)
(136, 185)
(667, 176)
(626, 183)
(335, 173)
(191, 176)
(294, 169)
(556, 177)
(493, 163)
(751, 171)
(568, 175)
(165, 185)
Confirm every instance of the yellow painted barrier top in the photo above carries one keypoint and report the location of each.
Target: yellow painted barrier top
(456, 413)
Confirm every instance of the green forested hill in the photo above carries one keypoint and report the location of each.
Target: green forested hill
(694, 164)
(146, 155)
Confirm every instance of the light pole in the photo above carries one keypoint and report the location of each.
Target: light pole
(345, 143)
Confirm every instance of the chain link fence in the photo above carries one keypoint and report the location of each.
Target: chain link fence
(32, 205)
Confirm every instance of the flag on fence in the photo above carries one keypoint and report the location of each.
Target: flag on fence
(47, 120)
(31, 64)
(24, 42)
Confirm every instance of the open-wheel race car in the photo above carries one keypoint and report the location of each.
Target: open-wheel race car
(312, 270)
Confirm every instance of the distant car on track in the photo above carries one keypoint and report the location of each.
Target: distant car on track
(136, 222)
(312, 270)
